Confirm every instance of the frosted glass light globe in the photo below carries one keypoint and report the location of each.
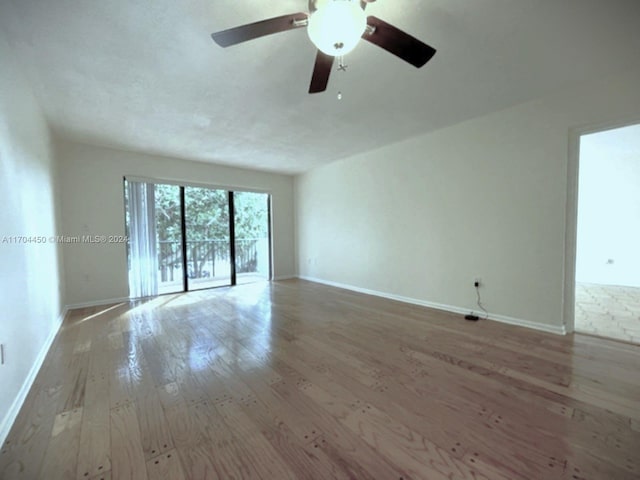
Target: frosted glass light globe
(336, 26)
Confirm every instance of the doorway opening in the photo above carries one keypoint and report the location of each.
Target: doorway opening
(607, 264)
(184, 238)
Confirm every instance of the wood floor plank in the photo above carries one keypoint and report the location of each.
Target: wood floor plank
(221, 461)
(184, 427)
(423, 458)
(297, 380)
(94, 457)
(154, 429)
(165, 466)
(127, 455)
(22, 453)
(102, 476)
(265, 459)
(301, 454)
(169, 395)
(211, 424)
(237, 421)
(341, 445)
(425, 401)
(74, 383)
(275, 411)
(62, 452)
(120, 389)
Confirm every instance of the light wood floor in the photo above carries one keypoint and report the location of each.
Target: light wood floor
(608, 311)
(293, 380)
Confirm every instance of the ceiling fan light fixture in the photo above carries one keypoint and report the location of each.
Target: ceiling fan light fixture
(336, 27)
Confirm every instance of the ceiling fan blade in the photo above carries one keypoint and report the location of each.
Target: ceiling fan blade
(321, 72)
(397, 42)
(250, 31)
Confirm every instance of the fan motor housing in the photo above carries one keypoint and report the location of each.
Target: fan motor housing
(315, 4)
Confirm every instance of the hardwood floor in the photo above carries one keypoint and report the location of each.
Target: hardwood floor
(293, 380)
(608, 311)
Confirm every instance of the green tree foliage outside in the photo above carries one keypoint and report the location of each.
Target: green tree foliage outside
(207, 226)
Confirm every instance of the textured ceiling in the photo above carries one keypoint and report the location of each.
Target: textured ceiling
(146, 76)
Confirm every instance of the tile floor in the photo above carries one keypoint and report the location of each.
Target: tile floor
(608, 311)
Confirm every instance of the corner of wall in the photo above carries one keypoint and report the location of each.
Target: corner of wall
(57, 175)
(10, 417)
(33, 296)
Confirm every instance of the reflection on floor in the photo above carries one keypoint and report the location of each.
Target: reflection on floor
(176, 285)
(293, 380)
(608, 311)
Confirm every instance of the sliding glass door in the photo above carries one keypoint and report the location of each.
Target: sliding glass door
(169, 238)
(208, 238)
(251, 227)
(190, 238)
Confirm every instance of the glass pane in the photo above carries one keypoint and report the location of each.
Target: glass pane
(207, 228)
(169, 239)
(252, 236)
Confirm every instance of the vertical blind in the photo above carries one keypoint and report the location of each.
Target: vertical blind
(143, 271)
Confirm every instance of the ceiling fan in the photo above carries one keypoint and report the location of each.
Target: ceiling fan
(335, 27)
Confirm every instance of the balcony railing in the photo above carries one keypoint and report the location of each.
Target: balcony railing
(204, 257)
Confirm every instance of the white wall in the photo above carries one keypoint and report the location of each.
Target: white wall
(609, 209)
(31, 289)
(92, 203)
(422, 218)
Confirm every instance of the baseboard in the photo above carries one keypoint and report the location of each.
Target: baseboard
(98, 303)
(558, 330)
(285, 277)
(12, 414)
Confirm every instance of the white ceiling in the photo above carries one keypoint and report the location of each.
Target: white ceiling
(146, 76)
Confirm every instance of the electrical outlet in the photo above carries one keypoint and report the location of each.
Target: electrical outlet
(477, 282)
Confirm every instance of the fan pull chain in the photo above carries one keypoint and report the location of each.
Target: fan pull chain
(342, 67)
